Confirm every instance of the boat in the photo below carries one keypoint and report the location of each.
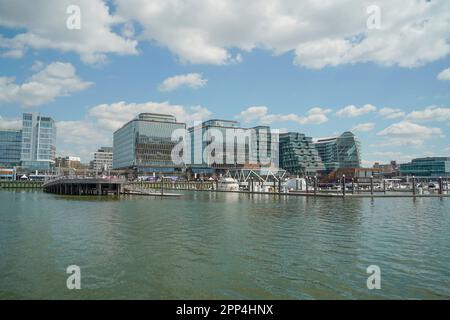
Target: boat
(227, 184)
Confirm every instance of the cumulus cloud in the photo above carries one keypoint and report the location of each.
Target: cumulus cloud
(191, 80)
(364, 127)
(391, 113)
(431, 113)
(406, 133)
(352, 111)
(444, 75)
(55, 80)
(113, 116)
(83, 137)
(42, 25)
(6, 123)
(412, 32)
(261, 114)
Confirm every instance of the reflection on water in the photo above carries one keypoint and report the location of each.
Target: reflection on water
(223, 245)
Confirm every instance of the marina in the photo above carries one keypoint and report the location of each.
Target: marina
(222, 245)
(289, 187)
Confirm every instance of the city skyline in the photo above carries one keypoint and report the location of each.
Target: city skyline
(397, 105)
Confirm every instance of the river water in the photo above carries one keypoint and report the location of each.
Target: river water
(223, 246)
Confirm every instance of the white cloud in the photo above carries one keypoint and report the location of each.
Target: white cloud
(191, 80)
(260, 114)
(44, 25)
(80, 138)
(364, 127)
(352, 111)
(406, 133)
(431, 113)
(6, 123)
(444, 75)
(412, 32)
(55, 80)
(113, 116)
(390, 113)
(406, 128)
(83, 137)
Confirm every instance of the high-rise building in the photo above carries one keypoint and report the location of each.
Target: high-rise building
(145, 144)
(38, 142)
(343, 151)
(10, 148)
(103, 159)
(430, 167)
(216, 146)
(298, 154)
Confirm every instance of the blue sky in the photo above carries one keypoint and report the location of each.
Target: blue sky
(90, 88)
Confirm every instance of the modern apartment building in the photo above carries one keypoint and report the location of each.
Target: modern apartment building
(430, 167)
(343, 151)
(103, 159)
(298, 155)
(38, 142)
(145, 144)
(10, 148)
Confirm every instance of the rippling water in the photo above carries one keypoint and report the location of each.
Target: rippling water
(223, 246)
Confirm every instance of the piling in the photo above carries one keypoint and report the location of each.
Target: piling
(343, 185)
(371, 185)
(307, 184)
(315, 185)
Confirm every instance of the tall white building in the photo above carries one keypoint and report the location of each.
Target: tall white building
(38, 142)
(103, 159)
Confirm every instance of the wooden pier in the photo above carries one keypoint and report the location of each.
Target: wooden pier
(84, 186)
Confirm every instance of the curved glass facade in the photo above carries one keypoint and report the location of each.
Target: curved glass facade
(343, 151)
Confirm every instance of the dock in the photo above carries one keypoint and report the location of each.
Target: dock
(132, 190)
(83, 186)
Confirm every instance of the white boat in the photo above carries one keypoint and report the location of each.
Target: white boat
(295, 184)
(228, 184)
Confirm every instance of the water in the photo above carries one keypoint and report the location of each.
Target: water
(223, 246)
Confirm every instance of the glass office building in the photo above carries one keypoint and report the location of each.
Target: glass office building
(10, 148)
(298, 155)
(145, 144)
(38, 142)
(216, 146)
(430, 167)
(343, 151)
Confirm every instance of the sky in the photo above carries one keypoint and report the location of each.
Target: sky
(378, 68)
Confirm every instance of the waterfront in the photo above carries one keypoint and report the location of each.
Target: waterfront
(222, 246)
